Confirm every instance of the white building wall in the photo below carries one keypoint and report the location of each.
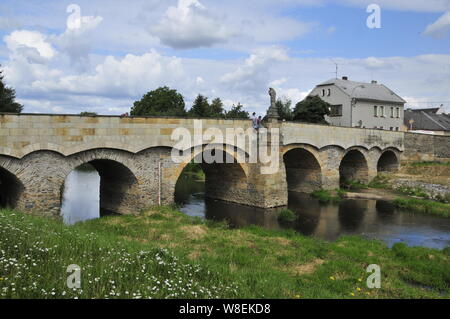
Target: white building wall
(336, 97)
(364, 112)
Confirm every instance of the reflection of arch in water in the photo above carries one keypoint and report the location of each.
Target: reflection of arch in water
(240, 215)
(351, 214)
(308, 210)
(11, 189)
(385, 211)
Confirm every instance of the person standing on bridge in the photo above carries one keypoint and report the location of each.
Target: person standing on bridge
(259, 123)
(254, 121)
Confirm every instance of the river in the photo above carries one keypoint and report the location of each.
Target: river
(369, 218)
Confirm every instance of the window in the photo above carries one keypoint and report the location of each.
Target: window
(323, 92)
(329, 92)
(382, 111)
(392, 111)
(391, 128)
(396, 128)
(397, 112)
(336, 110)
(375, 111)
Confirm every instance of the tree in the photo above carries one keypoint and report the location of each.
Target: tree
(162, 101)
(312, 110)
(284, 109)
(87, 113)
(7, 98)
(237, 112)
(201, 107)
(217, 109)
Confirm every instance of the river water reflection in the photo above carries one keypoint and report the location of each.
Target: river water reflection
(369, 218)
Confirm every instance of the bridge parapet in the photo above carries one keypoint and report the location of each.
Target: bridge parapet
(321, 136)
(21, 134)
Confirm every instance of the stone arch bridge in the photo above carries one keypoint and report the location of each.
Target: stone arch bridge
(133, 159)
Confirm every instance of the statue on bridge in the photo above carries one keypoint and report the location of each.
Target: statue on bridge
(272, 113)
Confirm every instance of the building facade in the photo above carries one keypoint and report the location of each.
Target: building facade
(358, 104)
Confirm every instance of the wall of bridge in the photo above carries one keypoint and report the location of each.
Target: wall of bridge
(133, 158)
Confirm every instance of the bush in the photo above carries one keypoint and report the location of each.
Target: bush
(325, 196)
(287, 215)
(352, 184)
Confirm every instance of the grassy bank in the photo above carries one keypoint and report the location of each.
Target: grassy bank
(325, 196)
(164, 253)
(424, 206)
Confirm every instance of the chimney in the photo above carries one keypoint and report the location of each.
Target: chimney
(345, 78)
(374, 82)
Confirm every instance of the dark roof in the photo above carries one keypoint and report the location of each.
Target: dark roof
(426, 119)
(361, 90)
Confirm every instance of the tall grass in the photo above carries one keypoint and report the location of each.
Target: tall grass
(35, 253)
(163, 253)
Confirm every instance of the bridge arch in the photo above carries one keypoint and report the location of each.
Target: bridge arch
(224, 181)
(119, 187)
(388, 162)
(11, 189)
(354, 166)
(303, 168)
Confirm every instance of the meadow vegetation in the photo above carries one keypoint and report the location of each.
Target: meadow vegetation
(162, 253)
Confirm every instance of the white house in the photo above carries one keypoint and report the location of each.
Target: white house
(358, 104)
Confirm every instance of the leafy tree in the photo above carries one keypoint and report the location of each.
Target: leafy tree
(7, 98)
(86, 113)
(284, 109)
(237, 112)
(312, 110)
(217, 109)
(201, 107)
(162, 101)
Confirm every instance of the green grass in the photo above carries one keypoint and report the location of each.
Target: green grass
(423, 206)
(429, 163)
(352, 184)
(325, 196)
(412, 191)
(134, 254)
(287, 216)
(380, 181)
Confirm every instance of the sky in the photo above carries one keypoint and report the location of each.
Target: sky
(102, 55)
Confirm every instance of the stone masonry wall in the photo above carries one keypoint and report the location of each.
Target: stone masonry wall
(424, 147)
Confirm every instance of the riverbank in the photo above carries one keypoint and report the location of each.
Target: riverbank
(419, 187)
(164, 253)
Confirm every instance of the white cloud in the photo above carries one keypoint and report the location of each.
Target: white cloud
(31, 44)
(76, 41)
(440, 27)
(190, 25)
(293, 94)
(131, 76)
(253, 74)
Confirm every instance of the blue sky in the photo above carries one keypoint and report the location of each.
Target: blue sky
(115, 51)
